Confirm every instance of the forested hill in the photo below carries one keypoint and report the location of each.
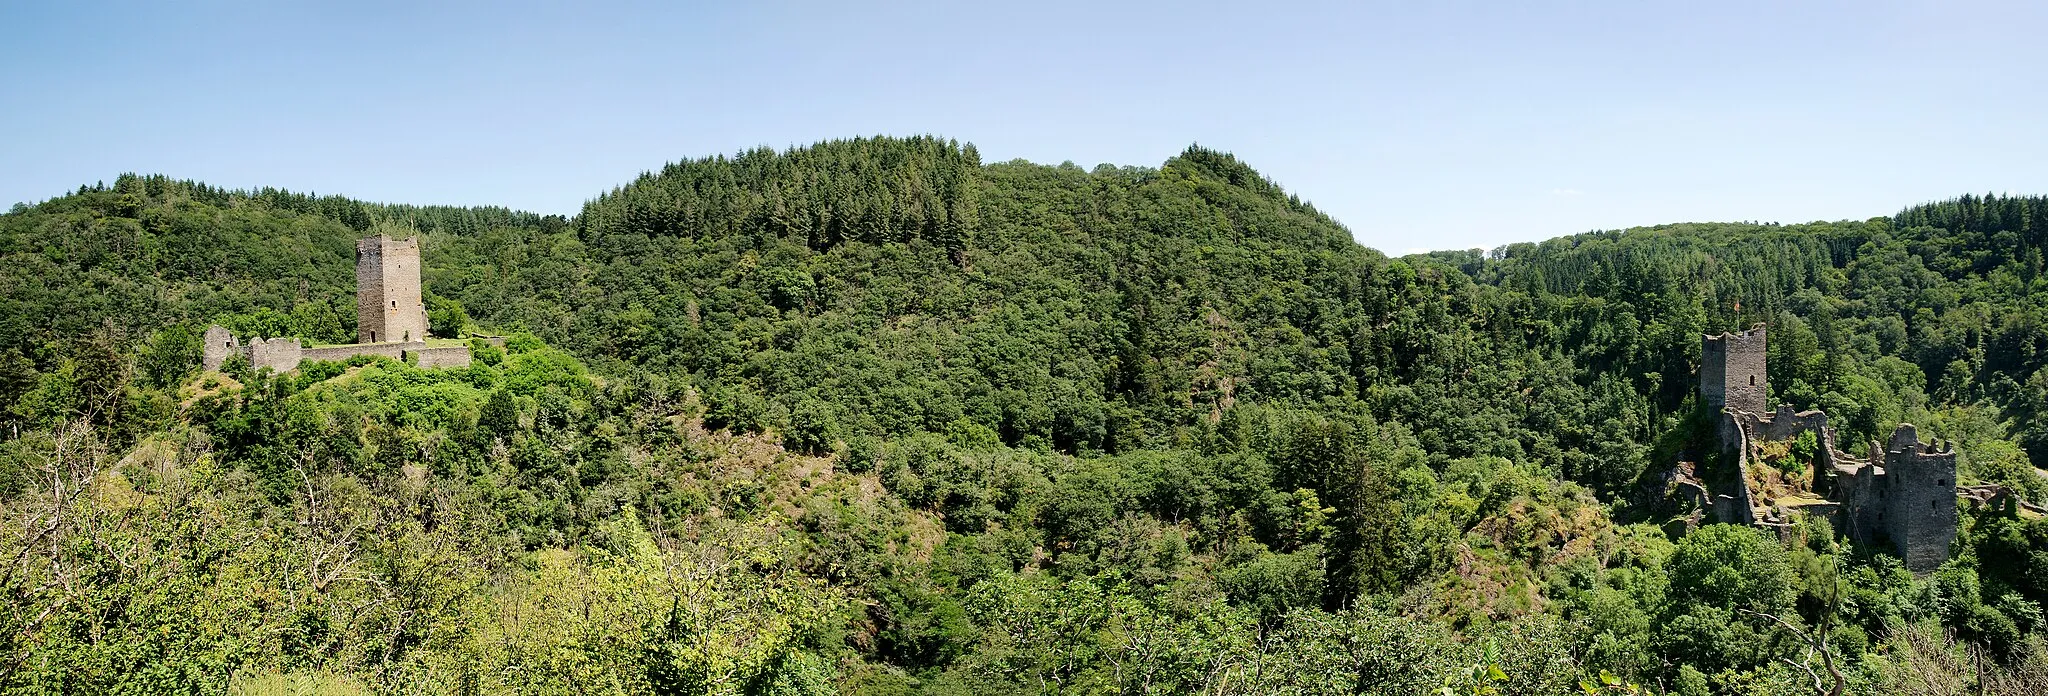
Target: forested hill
(887, 286)
(979, 427)
(1941, 307)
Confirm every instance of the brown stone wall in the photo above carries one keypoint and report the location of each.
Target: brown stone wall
(394, 351)
(1732, 371)
(1783, 424)
(429, 358)
(280, 354)
(388, 305)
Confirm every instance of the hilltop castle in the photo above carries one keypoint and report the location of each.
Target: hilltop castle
(1904, 494)
(391, 320)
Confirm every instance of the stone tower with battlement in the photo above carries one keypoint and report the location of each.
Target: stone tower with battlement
(1732, 372)
(1918, 498)
(388, 306)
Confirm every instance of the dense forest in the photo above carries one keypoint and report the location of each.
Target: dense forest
(875, 417)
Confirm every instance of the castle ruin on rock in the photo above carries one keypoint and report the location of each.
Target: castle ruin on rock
(1903, 495)
(391, 319)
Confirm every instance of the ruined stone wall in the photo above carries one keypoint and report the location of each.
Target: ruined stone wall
(1783, 424)
(1920, 499)
(279, 354)
(1860, 490)
(1829, 458)
(457, 356)
(394, 351)
(220, 343)
(285, 354)
(388, 305)
(1732, 371)
(1835, 467)
(1735, 504)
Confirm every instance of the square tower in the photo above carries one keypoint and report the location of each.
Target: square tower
(388, 306)
(1732, 371)
(1917, 500)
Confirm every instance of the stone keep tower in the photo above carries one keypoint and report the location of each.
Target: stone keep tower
(388, 306)
(1732, 371)
(1917, 499)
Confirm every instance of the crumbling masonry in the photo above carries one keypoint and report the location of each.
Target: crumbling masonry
(391, 320)
(1903, 495)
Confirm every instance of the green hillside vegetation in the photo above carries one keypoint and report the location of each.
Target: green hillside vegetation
(874, 417)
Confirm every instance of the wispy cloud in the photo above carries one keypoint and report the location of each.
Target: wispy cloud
(1566, 192)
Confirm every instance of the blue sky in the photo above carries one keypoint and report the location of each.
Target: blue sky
(1423, 125)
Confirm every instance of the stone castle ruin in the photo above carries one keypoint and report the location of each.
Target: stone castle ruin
(388, 305)
(1902, 495)
(391, 319)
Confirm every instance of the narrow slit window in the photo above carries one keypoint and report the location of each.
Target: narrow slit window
(1752, 380)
